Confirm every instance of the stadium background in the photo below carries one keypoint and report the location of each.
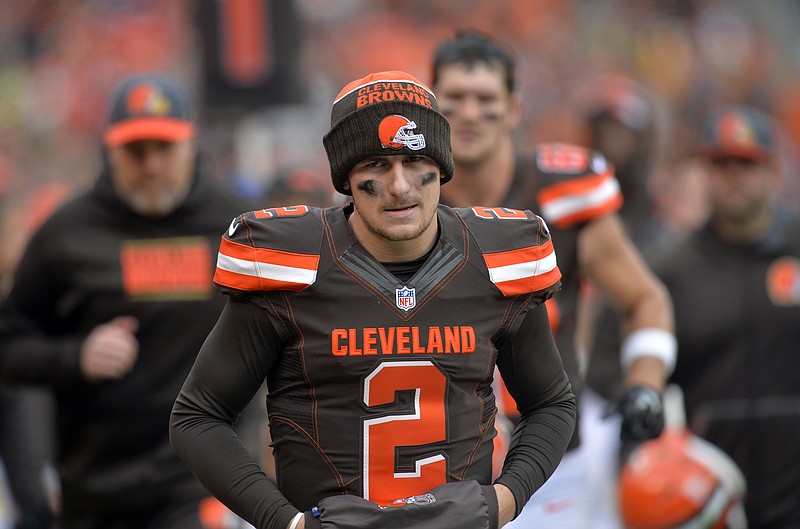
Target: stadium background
(265, 71)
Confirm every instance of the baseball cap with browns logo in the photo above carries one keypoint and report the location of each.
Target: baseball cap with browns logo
(740, 132)
(386, 113)
(148, 107)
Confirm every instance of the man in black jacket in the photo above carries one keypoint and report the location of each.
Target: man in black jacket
(737, 297)
(109, 306)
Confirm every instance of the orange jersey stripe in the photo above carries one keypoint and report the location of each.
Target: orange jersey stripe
(248, 268)
(524, 270)
(254, 284)
(580, 199)
(573, 187)
(266, 255)
(529, 284)
(519, 256)
(586, 215)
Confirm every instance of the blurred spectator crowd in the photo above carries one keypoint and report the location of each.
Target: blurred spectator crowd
(59, 59)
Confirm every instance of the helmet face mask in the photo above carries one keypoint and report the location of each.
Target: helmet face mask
(680, 481)
(395, 132)
(415, 142)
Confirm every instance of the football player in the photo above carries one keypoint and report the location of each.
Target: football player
(576, 192)
(378, 326)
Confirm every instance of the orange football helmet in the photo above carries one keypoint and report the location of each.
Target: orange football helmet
(681, 481)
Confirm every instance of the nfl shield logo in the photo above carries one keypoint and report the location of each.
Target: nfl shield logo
(406, 298)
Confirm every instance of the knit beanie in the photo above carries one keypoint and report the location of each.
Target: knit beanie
(382, 114)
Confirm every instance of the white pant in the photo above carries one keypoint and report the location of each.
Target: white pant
(562, 501)
(600, 444)
(582, 492)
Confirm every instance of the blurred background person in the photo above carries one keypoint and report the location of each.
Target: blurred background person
(575, 191)
(28, 483)
(737, 296)
(626, 123)
(109, 305)
(297, 185)
(27, 448)
(27, 412)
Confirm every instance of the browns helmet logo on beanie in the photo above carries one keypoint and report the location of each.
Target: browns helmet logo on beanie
(386, 113)
(395, 132)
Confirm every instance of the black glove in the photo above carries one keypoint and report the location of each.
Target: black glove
(642, 413)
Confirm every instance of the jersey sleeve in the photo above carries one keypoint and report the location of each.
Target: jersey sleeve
(531, 367)
(230, 367)
(577, 186)
(270, 249)
(517, 250)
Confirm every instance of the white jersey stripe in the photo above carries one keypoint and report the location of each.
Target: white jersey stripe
(266, 270)
(513, 272)
(558, 208)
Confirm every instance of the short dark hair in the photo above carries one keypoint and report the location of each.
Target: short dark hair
(471, 47)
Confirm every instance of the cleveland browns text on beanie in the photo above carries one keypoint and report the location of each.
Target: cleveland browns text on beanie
(382, 114)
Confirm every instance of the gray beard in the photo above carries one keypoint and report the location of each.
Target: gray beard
(165, 205)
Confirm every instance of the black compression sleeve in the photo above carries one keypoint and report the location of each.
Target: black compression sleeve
(532, 370)
(229, 370)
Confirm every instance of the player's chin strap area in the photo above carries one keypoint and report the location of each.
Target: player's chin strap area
(460, 504)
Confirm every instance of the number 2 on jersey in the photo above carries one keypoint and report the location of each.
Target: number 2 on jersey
(383, 435)
(285, 211)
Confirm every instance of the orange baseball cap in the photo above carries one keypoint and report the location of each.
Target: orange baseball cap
(741, 132)
(149, 107)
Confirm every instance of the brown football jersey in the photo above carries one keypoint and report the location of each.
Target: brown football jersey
(399, 373)
(569, 186)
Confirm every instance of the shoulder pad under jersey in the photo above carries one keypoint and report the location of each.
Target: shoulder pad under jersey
(577, 184)
(516, 248)
(270, 249)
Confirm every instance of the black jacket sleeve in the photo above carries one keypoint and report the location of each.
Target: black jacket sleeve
(229, 370)
(531, 367)
(34, 348)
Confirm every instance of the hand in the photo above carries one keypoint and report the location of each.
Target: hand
(110, 350)
(506, 504)
(642, 413)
